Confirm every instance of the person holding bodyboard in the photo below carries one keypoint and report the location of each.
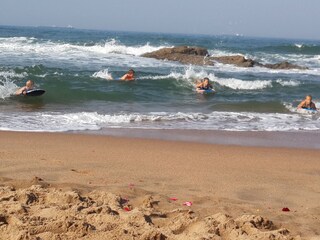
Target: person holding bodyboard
(28, 90)
(204, 86)
(307, 104)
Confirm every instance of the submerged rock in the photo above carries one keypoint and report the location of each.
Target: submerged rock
(237, 60)
(200, 56)
(284, 65)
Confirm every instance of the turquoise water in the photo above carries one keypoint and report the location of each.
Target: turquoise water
(74, 66)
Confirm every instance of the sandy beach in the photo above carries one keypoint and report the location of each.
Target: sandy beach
(76, 186)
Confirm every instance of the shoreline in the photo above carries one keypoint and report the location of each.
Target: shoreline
(268, 139)
(304, 140)
(226, 179)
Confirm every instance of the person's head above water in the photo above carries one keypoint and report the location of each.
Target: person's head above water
(29, 84)
(131, 72)
(308, 99)
(307, 103)
(23, 90)
(128, 76)
(206, 81)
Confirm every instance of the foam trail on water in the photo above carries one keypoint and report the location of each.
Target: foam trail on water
(103, 74)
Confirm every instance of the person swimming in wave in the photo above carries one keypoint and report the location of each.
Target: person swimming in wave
(307, 103)
(203, 85)
(129, 76)
(23, 91)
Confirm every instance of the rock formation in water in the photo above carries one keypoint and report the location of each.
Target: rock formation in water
(183, 54)
(200, 56)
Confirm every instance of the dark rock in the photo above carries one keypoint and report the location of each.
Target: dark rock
(179, 50)
(199, 56)
(3, 220)
(237, 60)
(284, 65)
(183, 54)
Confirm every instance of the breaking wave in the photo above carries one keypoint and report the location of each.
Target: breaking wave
(33, 45)
(190, 75)
(235, 121)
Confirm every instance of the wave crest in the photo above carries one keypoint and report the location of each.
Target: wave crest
(103, 74)
(33, 45)
(190, 75)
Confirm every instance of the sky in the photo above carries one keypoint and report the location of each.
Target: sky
(262, 18)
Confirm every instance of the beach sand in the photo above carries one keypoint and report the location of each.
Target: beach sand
(72, 186)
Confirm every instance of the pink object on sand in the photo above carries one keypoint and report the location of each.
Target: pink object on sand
(189, 204)
(131, 185)
(173, 199)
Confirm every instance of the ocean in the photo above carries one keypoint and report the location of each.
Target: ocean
(74, 66)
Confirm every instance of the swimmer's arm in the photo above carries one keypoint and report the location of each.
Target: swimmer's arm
(198, 84)
(301, 104)
(21, 91)
(124, 77)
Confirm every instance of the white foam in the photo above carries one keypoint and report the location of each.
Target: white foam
(221, 53)
(7, 85)
(240, 121)
(12, 74)
(7, 88)
(103, 74)
(244, 85)
(114, 46)
(232, 83)
(33, 45)
(190, 75)
(108, 53)
(290, 83)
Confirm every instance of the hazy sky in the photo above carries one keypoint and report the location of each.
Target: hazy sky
(267, 18)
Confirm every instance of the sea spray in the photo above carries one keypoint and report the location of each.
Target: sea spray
(7, 87)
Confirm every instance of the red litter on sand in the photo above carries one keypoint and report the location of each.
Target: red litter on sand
(285, 209)
(131, 185)
(127, 209)
(173, 199)
(188, 204)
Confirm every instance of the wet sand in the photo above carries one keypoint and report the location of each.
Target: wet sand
(306, 140)
(241, 182)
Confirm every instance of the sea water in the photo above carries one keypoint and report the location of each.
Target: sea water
(75, 68)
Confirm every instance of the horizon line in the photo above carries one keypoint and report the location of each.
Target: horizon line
(69, 26)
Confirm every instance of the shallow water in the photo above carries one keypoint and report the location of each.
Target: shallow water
(74, 66)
